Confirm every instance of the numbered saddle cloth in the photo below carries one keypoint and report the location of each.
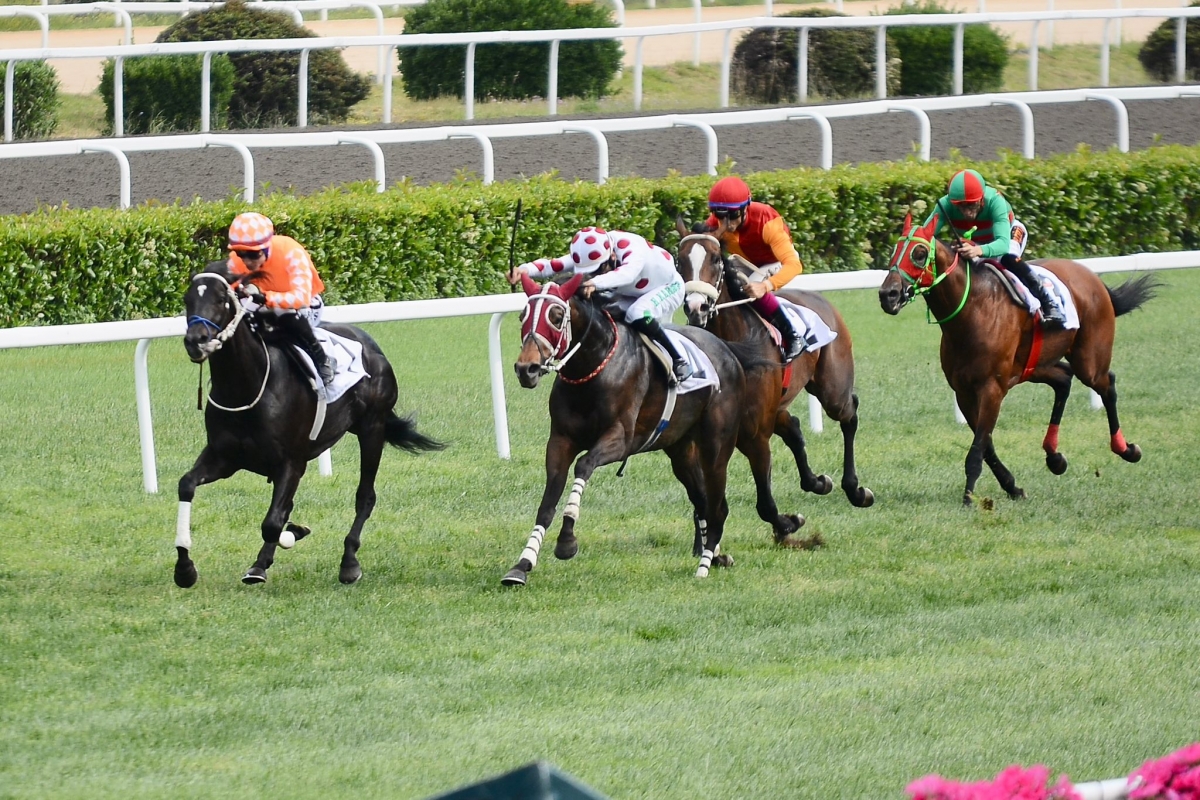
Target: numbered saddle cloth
(346, 356)
(703, 372)
(1059, 293)
(808, 324)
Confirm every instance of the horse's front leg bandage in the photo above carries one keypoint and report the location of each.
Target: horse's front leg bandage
(533, 546)
(183, 526)
(573, 500)
(705, 562)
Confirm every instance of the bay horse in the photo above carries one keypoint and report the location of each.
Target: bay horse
(713, 283)
(990, 344)
(609, 399)
(260, 413)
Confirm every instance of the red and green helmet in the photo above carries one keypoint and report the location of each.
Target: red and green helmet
(966, 187)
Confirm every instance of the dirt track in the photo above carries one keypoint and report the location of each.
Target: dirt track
(92, 179)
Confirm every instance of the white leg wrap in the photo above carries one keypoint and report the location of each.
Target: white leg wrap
(183, 526)
(702, 524)
(533, 546)
(705, 562)
(572, 509)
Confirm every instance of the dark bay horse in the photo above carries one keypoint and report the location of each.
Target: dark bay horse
(609, 400)
(259, 416)
(827, 374)
(990, 344)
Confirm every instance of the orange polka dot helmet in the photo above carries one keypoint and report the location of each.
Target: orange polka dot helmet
(251, 231)
(590, 248)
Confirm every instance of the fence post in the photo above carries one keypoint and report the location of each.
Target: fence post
(302, 112)
(469, 90)
(1033, 58)
(118, 96)
(8, 101)
(881, 62)
(637, 74)
(387, 87)
(1104, 54)
(958, 58)
(496, 371)
(802, 67)
(552, 92)
(726, 57)
(206, 93)
(1180, 48)
(141, 384)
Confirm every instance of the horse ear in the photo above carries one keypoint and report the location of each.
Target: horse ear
(907, 223)
(567, 290)
(530, 286)
(680, 226)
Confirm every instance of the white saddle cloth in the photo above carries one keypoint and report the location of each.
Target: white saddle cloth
(1059, 293)
(346, 355)
(704, 374)
(809, 325)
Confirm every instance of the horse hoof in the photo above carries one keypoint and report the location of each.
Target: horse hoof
(1132, 454)
(298, 531)
(186, 575)
(1056, 463)
(968, 500)
(822, 484)
(350, 575)
(254, 576)
(1018, 494)
(565, 549)
(863, 498)
(722, 560)
(515, 577)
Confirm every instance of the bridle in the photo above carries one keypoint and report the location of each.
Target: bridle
(560, 349)
(921, 279)
(223, 335)
(709, 291)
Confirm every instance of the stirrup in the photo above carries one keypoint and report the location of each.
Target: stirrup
(682, 370)
(792, 350)
(1053, 318)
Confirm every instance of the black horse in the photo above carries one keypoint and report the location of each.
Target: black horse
(260, 414)
(609, 399)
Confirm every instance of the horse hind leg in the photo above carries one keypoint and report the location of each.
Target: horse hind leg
(758, 453)
(1058, 378)
(209, 467)
(787, 427)
(370, 448)
(858, 495)
(273, 524)
(1108, 394)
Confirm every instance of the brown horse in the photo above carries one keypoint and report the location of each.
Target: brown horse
(609, 399)
(827, 374)
(990, 344)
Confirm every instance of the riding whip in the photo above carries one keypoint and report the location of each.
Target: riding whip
(512, 246)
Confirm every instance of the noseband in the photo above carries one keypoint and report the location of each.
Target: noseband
(708, 290)
(214, 344)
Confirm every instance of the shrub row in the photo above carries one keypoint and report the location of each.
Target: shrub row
(70, 266)
(35, 99)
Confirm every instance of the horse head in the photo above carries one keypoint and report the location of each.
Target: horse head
(702, 268)
(913, 266)
(545, 327)
(213, 311)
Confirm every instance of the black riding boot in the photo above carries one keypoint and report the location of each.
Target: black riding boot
(301, 331)
(681, 368)
(1051, 316)
(793, 345)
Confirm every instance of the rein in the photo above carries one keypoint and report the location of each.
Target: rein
(612, 351)
(704, 288)
(929, 272)
(223, 335)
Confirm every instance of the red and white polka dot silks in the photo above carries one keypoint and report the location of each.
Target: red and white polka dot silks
(250, 231)
(590, 248)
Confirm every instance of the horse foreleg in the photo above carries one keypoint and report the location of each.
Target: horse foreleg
(981, 409)
(787, 427)
(685, 465)
(284, 493)
(209, 467)
(714, 462)
(611, 447)
(1005, 478)
(560, 452)
(1057, 377)
(370, 449)
(1126, 450)
(758, 452)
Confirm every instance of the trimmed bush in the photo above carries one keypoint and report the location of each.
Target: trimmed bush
(1158, 51)
(65, 266)
(841, 63)
(162, 93)
(265, 85)
(35, 98)
(508, 71)
(927, 54)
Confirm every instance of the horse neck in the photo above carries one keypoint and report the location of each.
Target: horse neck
(944, 298)
(240, 364)
(733, 324)
(593, 333)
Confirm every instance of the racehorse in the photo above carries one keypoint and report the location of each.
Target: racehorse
(609, 399)
(990, 344)
(261, 411)
(713, 285)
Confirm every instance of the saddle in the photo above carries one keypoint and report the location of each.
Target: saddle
(1007, 280)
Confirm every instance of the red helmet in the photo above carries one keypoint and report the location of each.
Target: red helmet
(966, 187)
(729, 193)
(590, 248)
(250, 231)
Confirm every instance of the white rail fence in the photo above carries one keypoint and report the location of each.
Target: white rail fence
(144, 331)
(388, 43)
(706, 123)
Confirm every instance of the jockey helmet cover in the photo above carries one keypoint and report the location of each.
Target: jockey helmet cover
(590, 248)
(966, 187)
(250, 231)
(729, 193)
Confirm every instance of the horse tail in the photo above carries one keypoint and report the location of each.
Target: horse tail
(402, 432)
(1132, 293)
(750, 356)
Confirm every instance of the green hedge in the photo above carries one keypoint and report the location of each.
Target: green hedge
(449, 241)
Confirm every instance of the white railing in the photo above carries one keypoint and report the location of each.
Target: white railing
(143, 331)
(880, 23)
(706, 123)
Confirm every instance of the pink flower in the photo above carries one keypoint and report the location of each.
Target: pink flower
(1013, 783)
(1172, 777)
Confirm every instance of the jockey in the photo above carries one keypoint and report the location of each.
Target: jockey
(970, 205)
(756, 232)
(280, 280)
(641, 276)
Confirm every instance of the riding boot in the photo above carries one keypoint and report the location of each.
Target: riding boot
(302, 332)
(681, 369)
(1052, 317)
(793, 345)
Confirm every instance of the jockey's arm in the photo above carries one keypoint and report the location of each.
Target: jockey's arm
(626, 273)
(1000, 213)
(299, 269)
(548, 267)
(777, 236)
